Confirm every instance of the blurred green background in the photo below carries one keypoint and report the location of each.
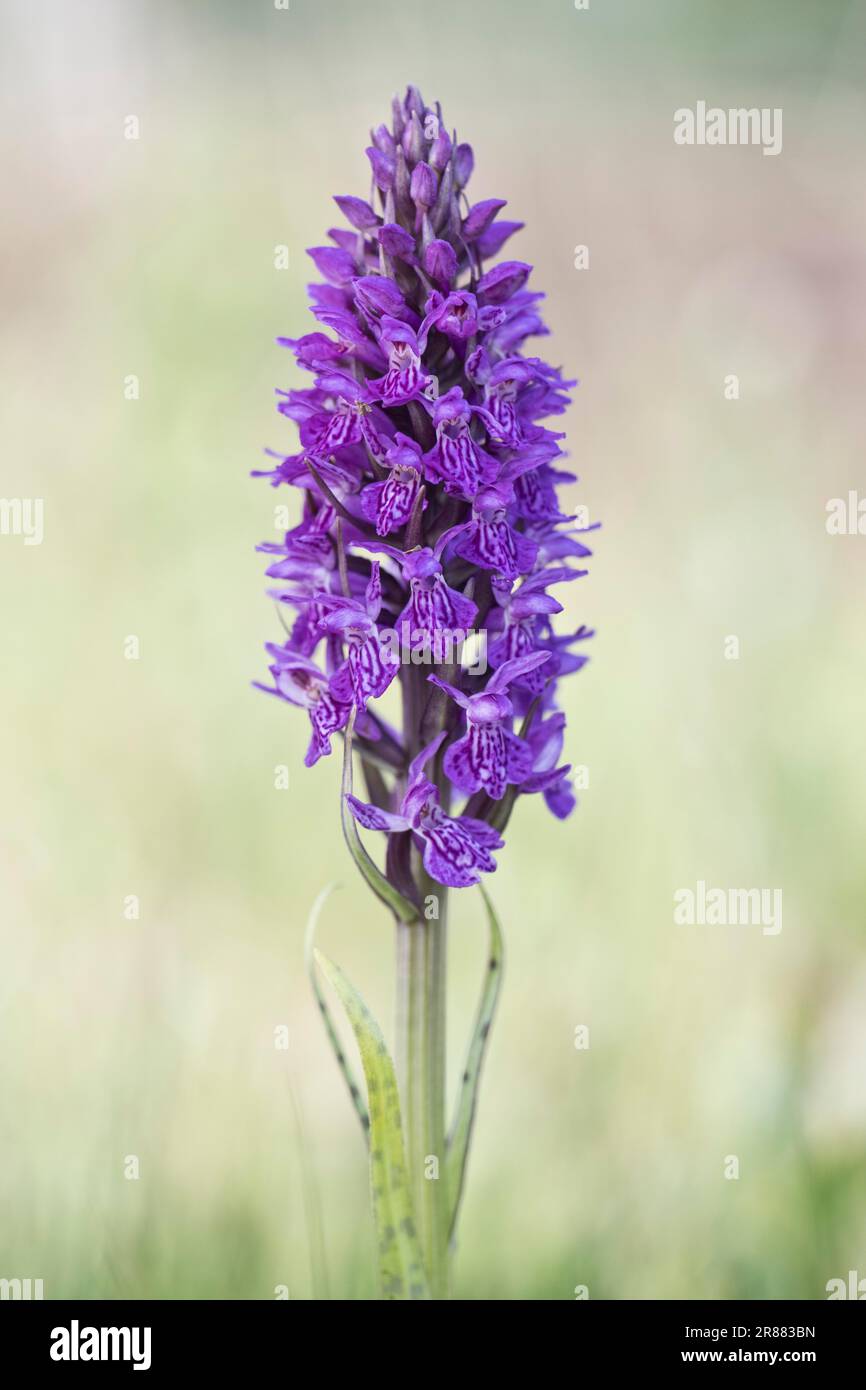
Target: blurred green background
(155, 777)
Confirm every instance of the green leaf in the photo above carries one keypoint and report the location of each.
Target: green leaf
(464, 1116)
(403, 910)
(342, 1060)
(401, 1267)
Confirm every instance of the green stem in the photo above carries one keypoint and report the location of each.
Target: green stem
(421, 1073)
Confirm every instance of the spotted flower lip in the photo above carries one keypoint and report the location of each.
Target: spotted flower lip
(490, 755)
(430, 484)
(456, 850)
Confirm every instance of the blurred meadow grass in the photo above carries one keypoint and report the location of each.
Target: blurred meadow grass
(156, 777)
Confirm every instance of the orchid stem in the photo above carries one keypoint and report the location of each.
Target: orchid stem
(421, 952)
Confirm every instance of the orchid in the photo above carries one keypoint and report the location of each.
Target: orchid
(429, 492)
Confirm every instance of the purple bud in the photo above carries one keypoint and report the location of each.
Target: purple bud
(440, 150)
(423, 186)
(335, 264)
(378, 295)
(398, 120)
(384, 140)
(413, 141)
(503, 281)
(413, 102)
(464, 163)
(479, 217)
(492, 241)
(397, 241)
(401, 187)
(440, 262)
(356, 211)
(383, 168)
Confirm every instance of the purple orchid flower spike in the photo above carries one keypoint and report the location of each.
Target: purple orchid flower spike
(432, 515)
(432, 495)
(489, 755)
(456, 850)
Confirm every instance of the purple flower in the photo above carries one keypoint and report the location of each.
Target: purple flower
(489, 755)
(545, 742)
(456, 849)
(300, 682)
(491, 541)
(369, 667)
(456, 460)
(431, 493)
(405, 379)
(390, 504)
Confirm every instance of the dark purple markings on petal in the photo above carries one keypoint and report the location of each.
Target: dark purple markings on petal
(390, 503)
(335, 431)
(340, 685)
(372, 817)
(404, 381)
(535, 496)
(519, 758)
(452, 855)
(458, 766)
(513, 641)
(459, 464)
(437, 609)
(481, 832)
(495, 546)
(489, 759)
(372, 668)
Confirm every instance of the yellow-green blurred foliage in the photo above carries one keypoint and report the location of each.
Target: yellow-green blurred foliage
(155, 777)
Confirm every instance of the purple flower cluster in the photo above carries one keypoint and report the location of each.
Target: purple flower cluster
(430, 510)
